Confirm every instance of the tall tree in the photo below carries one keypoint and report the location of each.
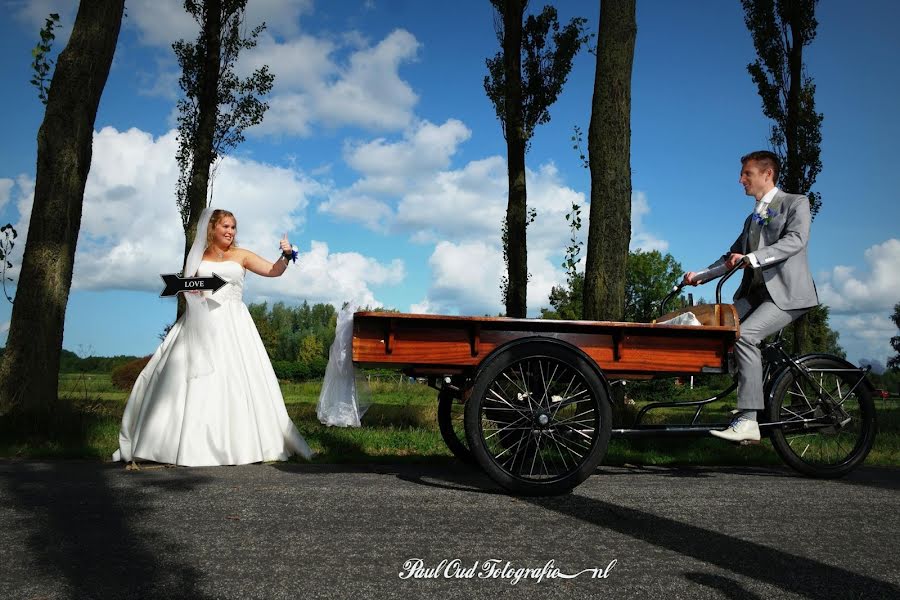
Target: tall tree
(894, 361)
(523, 80)
(30, 371)
(780, 29)
(649, 278)
(217, 106)
(609, 157)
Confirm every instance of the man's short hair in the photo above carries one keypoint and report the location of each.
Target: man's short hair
(766, 160)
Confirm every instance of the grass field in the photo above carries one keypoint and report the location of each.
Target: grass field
(400, 425)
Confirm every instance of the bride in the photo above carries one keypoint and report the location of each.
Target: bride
(209, 395)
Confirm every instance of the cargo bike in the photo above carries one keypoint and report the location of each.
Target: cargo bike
(537, 394)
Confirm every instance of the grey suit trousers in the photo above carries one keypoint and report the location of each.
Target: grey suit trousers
(759, 318)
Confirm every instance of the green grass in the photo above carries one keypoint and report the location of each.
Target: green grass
(402, 425)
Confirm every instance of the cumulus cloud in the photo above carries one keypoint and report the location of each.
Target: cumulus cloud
(34, 13)
(465, 278)
(314, 85)
(424, 148)
(462, 212)
(877, 288)
(335, 278)
(865, 334)
(161, 22)
(641, 239)
(131, 231)
(6, 186)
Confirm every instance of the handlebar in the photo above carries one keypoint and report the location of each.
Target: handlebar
(721, 271)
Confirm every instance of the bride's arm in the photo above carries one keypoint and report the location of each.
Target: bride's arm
(261, 266)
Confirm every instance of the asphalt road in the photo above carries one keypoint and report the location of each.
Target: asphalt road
(91, 530)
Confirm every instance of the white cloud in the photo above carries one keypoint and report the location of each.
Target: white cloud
(6, 186)
(162, 22)
(865, 335)
(845, 290)
(321, 276)
(641, 239)
(313, 84)
(131, 231)
(34, 13)
(465, 279)
(373, 214)
(426, 147)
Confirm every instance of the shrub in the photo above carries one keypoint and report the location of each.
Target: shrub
(124, 376)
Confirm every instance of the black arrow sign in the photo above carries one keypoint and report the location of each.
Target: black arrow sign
(176, 285)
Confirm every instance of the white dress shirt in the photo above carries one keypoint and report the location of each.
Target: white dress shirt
(761, 207)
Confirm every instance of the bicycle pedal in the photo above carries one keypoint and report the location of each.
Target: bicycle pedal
(749, 443)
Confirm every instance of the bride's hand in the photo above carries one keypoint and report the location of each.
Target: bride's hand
(285, 245)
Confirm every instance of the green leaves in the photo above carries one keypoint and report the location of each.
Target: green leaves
(239, 102)
(42, 63)
(546, 55)
(780, 29)
(7, 243)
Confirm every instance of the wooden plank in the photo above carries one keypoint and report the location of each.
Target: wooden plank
(434, 344)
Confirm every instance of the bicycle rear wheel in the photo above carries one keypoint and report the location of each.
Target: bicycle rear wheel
(828, 418)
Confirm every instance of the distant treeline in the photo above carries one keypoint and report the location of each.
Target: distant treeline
(297, 338)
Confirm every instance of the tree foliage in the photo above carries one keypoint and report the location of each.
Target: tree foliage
(650, 277)
(780, 29)
(546, 59)
(42, 64)
(894, 361)
(609, 159)
(524, 79)
(216, 105)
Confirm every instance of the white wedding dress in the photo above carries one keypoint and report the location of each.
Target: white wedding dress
(233, 416)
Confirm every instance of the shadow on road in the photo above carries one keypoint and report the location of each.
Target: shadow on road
(790, 572)
(79, 533)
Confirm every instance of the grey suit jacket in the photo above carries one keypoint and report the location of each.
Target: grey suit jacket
(781, 253)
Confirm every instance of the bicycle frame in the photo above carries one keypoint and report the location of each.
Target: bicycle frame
(777, 363)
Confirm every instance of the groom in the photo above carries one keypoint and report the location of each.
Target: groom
(777, 287)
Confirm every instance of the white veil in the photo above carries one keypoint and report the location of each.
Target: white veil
(344, 398)
(197, 325)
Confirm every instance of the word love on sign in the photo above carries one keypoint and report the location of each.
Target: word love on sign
(177, 285)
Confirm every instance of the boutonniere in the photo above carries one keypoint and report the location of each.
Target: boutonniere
(763, 220)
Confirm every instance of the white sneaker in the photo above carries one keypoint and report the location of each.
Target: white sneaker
(740, 430)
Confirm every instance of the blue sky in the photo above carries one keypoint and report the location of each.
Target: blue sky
(383, 159)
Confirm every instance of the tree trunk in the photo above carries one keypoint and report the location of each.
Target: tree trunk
(516, 211)
(207, 115)
(29, 374)
(609, 150)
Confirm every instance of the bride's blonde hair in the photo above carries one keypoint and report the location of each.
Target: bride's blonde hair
(218, 215)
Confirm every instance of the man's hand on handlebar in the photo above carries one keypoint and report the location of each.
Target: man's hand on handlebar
(731, 261)
(734, 259)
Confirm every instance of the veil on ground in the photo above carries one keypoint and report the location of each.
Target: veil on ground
(345, 396)
(197, 325)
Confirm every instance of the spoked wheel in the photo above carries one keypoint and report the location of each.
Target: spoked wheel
(828, 420)
(450, 416)
(538, 420)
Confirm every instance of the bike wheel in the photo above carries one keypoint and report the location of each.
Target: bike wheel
(450, 416)
(828, 421)
(538, 420)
